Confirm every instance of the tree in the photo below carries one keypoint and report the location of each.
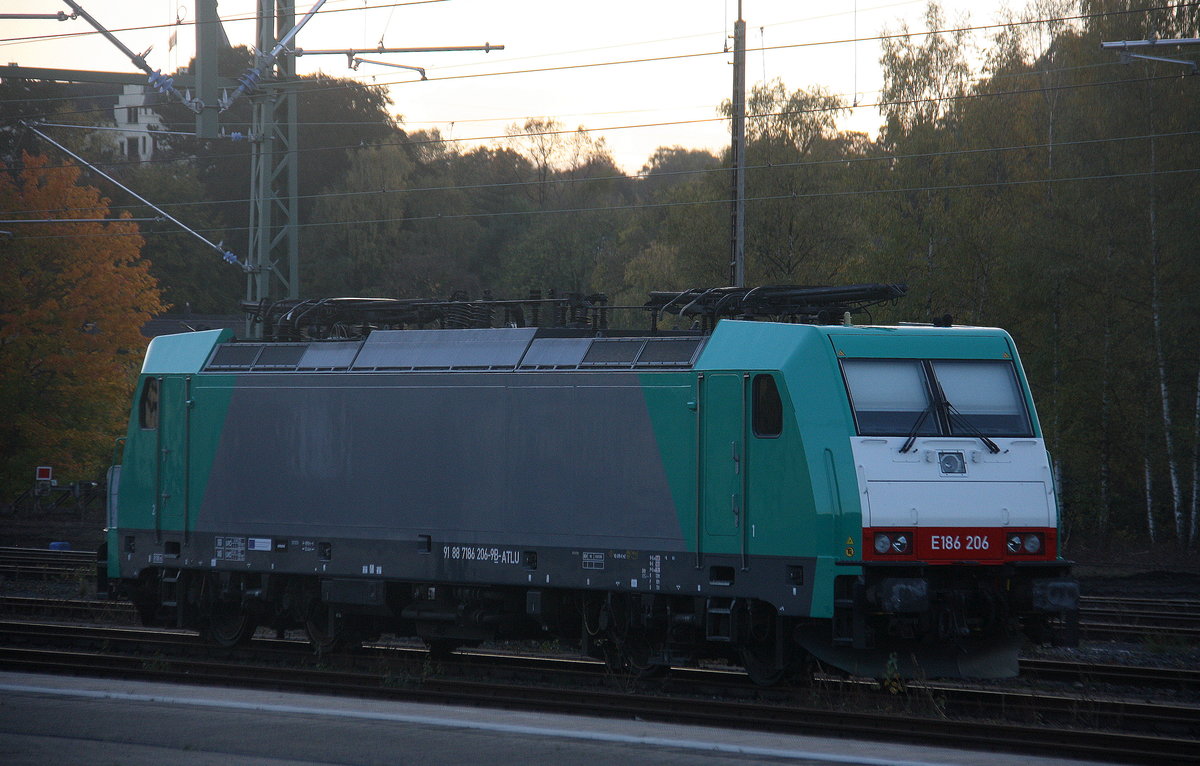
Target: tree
(541, 141)
(193, 278)
(798, 231)
(922, 82)
(73, 297)
(79, 104)
(336, 118)
(360, 224)
(569, 242)
(1053, 195)
(680, 238)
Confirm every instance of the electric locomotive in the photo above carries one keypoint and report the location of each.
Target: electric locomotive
(773, 493)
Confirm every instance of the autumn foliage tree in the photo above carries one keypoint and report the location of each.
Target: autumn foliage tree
(73, 297)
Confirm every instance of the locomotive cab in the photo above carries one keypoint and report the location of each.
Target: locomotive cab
(959, 511)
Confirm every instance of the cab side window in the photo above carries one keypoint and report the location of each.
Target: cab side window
(148, 405)
(768, 408)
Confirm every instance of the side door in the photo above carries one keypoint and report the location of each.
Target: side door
(722, 457)
(171, 495)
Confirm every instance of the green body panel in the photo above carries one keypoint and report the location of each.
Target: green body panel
(174, 458)
(723, 450)
(733, 490)
(181, 354)
(165, 469)
(671, 404)
(801, 500)
(921, 342)
(211, 395)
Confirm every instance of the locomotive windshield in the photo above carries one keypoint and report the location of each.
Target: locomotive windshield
(909, 397)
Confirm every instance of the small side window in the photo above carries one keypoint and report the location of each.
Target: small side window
(768, 409)
(148, 404)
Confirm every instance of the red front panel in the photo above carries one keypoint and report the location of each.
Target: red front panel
(958, 544)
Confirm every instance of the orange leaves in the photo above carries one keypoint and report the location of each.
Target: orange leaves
(73, 298)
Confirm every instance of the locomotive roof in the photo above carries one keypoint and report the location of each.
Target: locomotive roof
(734, 344)
(742, 345)
(524, 349)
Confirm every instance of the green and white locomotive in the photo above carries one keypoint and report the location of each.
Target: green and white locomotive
(769, 492)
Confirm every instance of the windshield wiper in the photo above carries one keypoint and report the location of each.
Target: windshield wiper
(948, 416)
(974, 429)
(912, 435)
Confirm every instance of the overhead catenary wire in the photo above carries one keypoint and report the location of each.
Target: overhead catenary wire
(408, 140)
(225, 20)
(9, 221)
(405, 141)
(477, 139)
(876, 38)
(790, 46)
(227, 255)
(147, 130)
(886, 157)
(724, 201)
(850, 106)
(852, 40)
(161, 82)
(392, 6)
(768, 198)
(879, 38)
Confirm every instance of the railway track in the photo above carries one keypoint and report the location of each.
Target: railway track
(1187, 680)
(1179, 679)
(44, 564)
(1123, 618)
(586, 688)
(1091, 674)
(87, 609)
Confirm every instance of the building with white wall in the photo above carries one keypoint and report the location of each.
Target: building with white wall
(134, 117)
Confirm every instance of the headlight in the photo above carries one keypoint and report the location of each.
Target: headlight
(1024, 543)
(892, 543)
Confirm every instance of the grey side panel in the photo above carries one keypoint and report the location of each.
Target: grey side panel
(520, 458)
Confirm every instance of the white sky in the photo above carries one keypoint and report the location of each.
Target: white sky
(538, 34)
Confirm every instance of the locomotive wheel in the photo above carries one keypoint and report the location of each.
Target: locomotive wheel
(229, 626)
(759, 646)
(760, 665)
(440, 648)
(327, 629)
(147, 609)
(443, 648)
(145, 597)
(627, 648)
(633, 660)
